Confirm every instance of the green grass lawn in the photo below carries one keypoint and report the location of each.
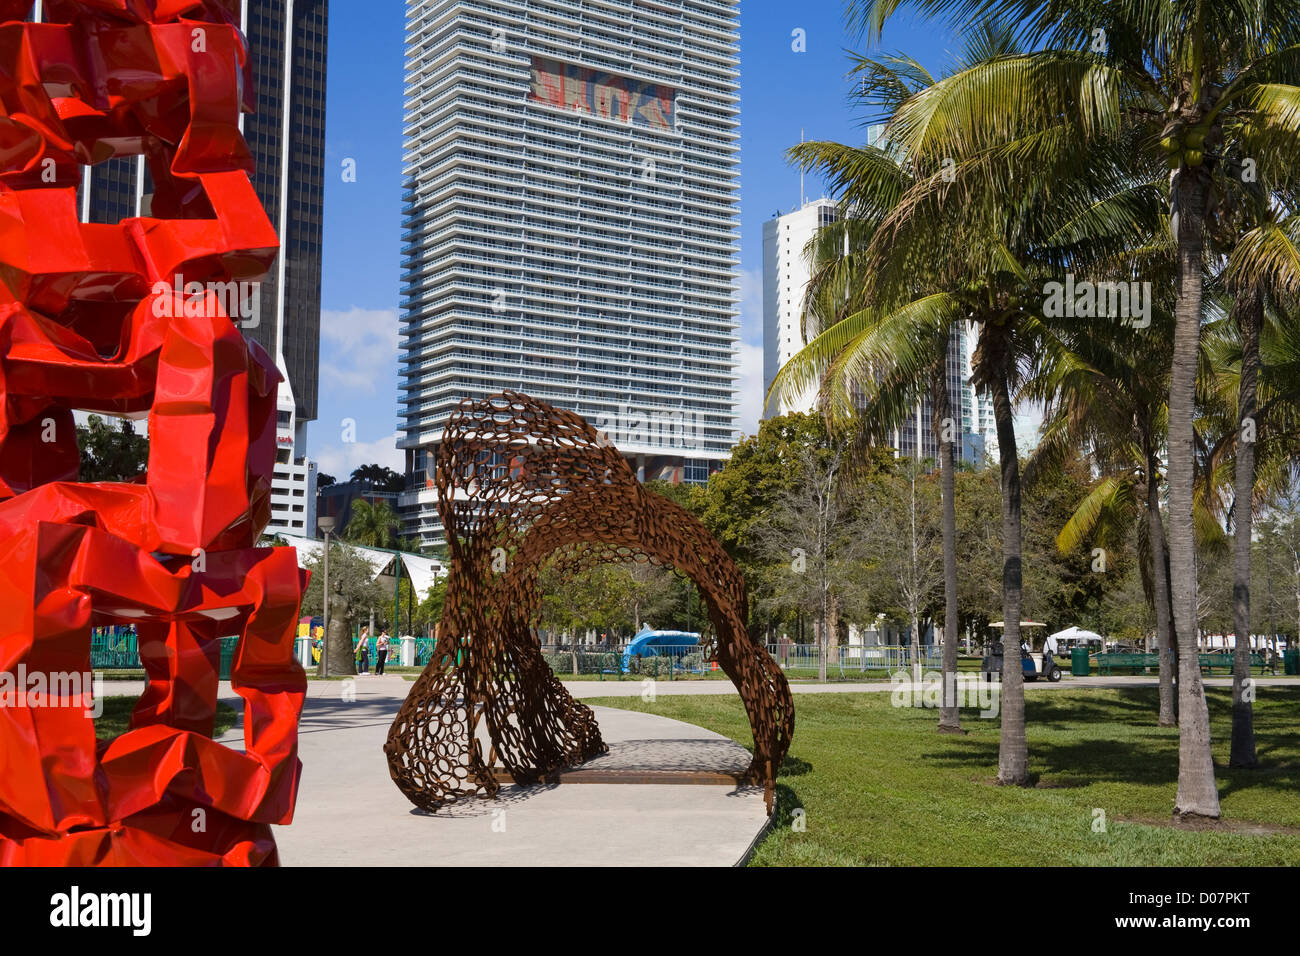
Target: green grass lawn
(879, 786)
(117, 714)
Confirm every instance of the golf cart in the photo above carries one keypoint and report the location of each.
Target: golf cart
(1031, 665)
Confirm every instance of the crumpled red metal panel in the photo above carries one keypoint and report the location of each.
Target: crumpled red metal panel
(91, 317)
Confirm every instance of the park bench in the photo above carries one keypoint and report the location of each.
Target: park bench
(1109, 662)
(1210, 661)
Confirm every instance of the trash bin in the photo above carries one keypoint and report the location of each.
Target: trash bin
(1291, 661)
(1079, 664)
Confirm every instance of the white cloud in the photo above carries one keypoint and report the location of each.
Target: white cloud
(750, 287)
(339, 458)
(359, 349)
(750, 387)
(749, 360)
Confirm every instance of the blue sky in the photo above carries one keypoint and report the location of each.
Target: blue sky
(783, 92)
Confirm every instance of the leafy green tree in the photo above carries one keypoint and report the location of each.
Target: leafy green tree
(374, 525)
(859, 386)
(111, 454)
(689, 496)
(977, 495)
(804, 541)
(1253, 404)
(1113, 401)
(898, 525)
(1067, 579)
(353, 576)
(596, 598)
(426, 613)
(761, 468)
(1277, 567)
(653, 596)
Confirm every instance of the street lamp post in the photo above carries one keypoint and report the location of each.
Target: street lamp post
(326, 524)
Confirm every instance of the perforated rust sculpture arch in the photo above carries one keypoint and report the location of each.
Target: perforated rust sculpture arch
(519, 484)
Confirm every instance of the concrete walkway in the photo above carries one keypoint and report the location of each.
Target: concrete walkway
(350, 813)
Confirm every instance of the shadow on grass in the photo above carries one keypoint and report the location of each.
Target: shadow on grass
(1133, 749)
(787, 801)
(1131, 706)
(793, 766)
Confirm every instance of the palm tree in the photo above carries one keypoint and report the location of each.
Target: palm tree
(373, 524)
(1111, 400)
(870, 396)
(1183, 80)
(980, 245)
(873, 403)
(1253, 417)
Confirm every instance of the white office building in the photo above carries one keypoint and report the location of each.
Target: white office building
(787, 270)
(570, 224)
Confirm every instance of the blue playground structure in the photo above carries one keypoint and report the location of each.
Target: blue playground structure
(648, 643)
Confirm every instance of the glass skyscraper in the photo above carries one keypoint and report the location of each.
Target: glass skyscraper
(287, 42)
(569, 224)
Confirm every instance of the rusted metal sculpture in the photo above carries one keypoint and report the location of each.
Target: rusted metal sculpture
(521, 485)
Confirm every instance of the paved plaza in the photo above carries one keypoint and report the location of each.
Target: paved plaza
(349, 812)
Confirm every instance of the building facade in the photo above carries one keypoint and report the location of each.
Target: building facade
(569, 224)
(336, 500)
(786, 273)
(287, 41)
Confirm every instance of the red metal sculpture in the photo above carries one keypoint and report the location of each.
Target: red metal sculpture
(129, 318)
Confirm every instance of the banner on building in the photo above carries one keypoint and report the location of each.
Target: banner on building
(606, 95)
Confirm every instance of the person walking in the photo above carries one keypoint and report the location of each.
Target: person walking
(363, 651)
(381, 650)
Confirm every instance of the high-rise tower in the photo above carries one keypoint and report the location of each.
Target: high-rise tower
(570, 214)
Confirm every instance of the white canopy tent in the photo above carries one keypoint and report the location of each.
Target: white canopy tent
(422, 572)
(1073, 635)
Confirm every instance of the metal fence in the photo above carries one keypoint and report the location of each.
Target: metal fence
(662, 662)
(799, 661)
(851, 661)
(115, 649)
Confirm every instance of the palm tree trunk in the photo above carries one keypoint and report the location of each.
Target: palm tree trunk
(945, 431)
(1197, 793)
(1249, 309)
(1013, 748)
(1160, 594)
